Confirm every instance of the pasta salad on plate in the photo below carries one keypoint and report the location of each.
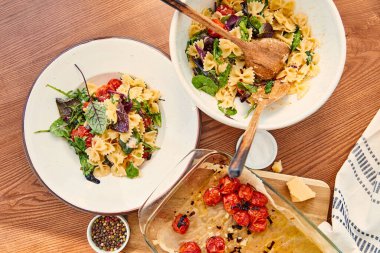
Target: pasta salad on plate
(112, 128)
(219, 66)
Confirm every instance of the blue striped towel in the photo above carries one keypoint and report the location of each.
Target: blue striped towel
(356, 204)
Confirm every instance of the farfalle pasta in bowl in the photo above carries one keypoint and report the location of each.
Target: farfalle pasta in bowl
(217, 75)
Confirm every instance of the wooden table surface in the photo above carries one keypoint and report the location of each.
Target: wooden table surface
(33, 32)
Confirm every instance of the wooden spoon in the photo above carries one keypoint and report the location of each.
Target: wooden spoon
(279, 90)
(266, 56)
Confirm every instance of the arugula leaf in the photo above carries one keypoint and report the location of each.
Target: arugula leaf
(86, 167)
(79, 145)
(268, 86)
(297, 37)
(60, 128)
(96, 117)
(216, 52)
(67, 94)
(228, 111)
(205, 84)
(132, 171)
(247, 87)
(156, 117)
(223, 77)
(243, 28)
(149, 148)
(309, 57)
(253, 107)
(127, 150)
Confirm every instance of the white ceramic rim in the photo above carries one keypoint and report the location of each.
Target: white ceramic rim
(98, 250)
(27, 100)
(234, 123)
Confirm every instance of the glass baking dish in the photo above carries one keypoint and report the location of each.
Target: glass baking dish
(188, 180)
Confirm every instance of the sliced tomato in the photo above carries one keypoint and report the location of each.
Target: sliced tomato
(212, 196)
(246, 192)
(228, 185)
(225, 10)
(258, 199)
(257, 213)
(231, 203)
(113, 84)
(259, 226)
(219, 23)
(82, 132)
(102, 93)
(242, 218)
(215, 244)
(189, 247)
(181, 223)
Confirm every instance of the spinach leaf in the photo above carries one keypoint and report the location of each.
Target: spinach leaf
(297, 37)
(96, 117)
(309, 57)
(205, 84)
(127, 150)
(132, 171)
(253, 107)
(243, 28)
(60, 128)
(228, 111)
(216, 52)
(247, 87)
(268, 86)
(223, 77)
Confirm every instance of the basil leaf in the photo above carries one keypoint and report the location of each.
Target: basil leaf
(247, 87)
(132, 171)
(60, 128)
(297, 37)
(228, 111)
(268, 87)
(309, 57)
(96, 117)
(127, 150)
(223, 77)
(205, 84)
(216, 52)
(253, 107)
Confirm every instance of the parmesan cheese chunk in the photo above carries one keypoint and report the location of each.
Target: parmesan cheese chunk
(299, 191)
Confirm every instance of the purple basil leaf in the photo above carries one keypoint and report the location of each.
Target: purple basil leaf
(122, 124)
(202, 54)
(208, 44)
(266, 31)
(231, 22)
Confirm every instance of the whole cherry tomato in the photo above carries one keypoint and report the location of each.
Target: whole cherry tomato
(231, 203)
(189, 247)
(219, 23)
(181, 223)
(113, 84)
(246, 192)
(259, 199)
(242, 218)
(102, 93)
(256, 213)
(82, 132)
(228, 185)
(212, 196)
(215, 244)
(225, 10)
(258, 226)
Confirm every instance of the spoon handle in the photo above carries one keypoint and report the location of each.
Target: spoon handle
(238, 161)
(193, 14)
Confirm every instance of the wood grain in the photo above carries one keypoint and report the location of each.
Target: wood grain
(33, 32)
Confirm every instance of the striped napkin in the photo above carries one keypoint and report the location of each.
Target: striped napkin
(356, 204)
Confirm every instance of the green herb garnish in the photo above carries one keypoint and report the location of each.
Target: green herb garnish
(223, 77)
(243, 28)
(230, 111)
(247, 87)
(216, 51)
(297, 37)
(253, 107)
(268, 86)
(132, 171)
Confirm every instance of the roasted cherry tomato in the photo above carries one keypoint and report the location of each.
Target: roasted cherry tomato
(259, 199)
(246, 192)
(219, 23)
(147, 122)
(181, 223)
(113, 84)
(225, 10)
(256, 213)
(82, 132)
(228, 185)
(102, 93)
(212, 196)
(231, 203)
(259, 226)
(242, 218)
(189, 247)
(215, 244)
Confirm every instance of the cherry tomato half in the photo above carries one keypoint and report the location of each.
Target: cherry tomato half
(257, 213)
(246, 192)
(147, 122)
(215, 244)
(82, 132)
(225, 10)
(181, 223)
(212, 196)
(228, 185)
(113, 84)
(102, 93)
(219, 23)
(242, 218)
(259, 199)
(259, 226)
(189, 247)
(231, 203)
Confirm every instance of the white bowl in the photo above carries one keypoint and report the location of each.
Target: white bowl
(96, 248)
(55, 162)
(326, 26)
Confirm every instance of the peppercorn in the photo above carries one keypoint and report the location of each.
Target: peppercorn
(108, 233)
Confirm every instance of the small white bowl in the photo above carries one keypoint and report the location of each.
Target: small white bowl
(98, 250)
(327, 27)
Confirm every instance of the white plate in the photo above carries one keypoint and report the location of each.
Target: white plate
(326, 26)
(55, 162)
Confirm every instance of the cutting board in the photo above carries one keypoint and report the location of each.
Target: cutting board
(315, 209)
